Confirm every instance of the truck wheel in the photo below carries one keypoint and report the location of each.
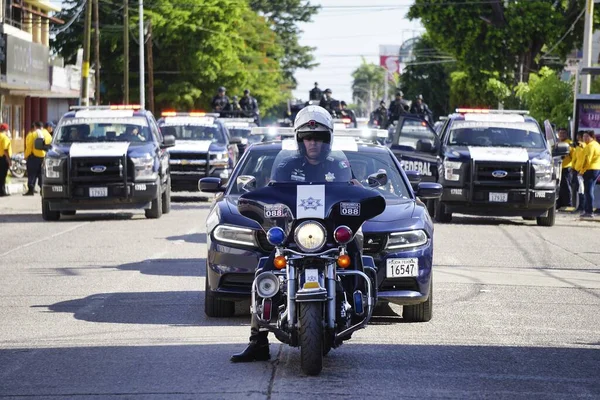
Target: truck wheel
(156, 210)
(420, 312)
(47, 214)
(440, 213)
(311, 338)
(215, 307)
(166, 198)
(431, 208)
(549, 220)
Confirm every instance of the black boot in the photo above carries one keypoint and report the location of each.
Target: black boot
(257, 349)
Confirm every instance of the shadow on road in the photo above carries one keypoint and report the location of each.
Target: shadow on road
(204, 371)
(184, 308)
(482, 220)
(191, 238)
(167, 267)
(18, 218)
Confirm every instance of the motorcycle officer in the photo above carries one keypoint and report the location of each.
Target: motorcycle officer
(314, 134)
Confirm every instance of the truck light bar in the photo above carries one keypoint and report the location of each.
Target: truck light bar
(488, 111)
(109, 107)
(228, 121)
(188, 114)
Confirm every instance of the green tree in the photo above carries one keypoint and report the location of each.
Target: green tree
(546, 96)
(429, 75)
(285, 16)
(507, 38)
(368, 86)
(232, 46)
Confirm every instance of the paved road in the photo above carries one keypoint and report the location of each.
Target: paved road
(110, 305)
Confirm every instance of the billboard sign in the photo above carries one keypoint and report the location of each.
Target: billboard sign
(588, 115)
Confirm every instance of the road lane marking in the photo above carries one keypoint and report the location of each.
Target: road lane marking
(43, 239)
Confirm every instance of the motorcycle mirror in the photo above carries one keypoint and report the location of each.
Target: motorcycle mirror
(246, 183)
(379, 178)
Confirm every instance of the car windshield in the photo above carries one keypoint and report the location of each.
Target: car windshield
(494, 134)
(191, 128)
(263, 165)
(131, 129)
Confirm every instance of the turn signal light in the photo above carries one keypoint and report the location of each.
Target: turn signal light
(343, 261)
(280, 262)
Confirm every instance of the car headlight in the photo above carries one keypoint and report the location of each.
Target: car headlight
(451, 170)
(144, 168)
(219, 158)
(403, 240)
(235, 235)
(543, 172)
(52, 166)
(310, 236)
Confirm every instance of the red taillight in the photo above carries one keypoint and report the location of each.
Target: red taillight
(342, 234)
(346, 120)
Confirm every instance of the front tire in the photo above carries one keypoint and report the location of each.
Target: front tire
(215, 307)
(156, 210)
(440, 213)
(548, 220)
(166, 198)
(420, 312)
(47, 214)
(311, 338)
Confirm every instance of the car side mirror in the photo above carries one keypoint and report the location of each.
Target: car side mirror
(414, 177)
(246, 183)
(236, 140)
(168, 141)
(429, 190)
(377, 179)
(211, 185)
(561, 149)
(40, 144)
(425, 146)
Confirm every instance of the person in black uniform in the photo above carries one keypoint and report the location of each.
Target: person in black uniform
(313, 163)
(326, 100)
(398, 107)
(220, 102)
(379, 117)
(249, 103)
(315, 93)
(422, 109)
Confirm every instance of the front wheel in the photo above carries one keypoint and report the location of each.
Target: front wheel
(166, 198)
(156, 209)
(440, 213)
(47, 214)
(17, 172)
(549, 219)
(311, 338)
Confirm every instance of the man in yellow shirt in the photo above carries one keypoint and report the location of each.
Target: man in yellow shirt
(5, 155)
(35, 157)
(577, 162)
(590, 170)
(565, 195)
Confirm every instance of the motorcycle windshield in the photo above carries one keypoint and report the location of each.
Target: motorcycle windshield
(310, 184)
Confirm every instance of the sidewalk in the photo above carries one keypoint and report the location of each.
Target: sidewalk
(15, 185)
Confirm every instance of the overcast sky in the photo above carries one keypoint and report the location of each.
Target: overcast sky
(345, 30)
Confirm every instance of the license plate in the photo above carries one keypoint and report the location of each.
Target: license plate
(402, 267)
(99, 192)
(499, 197)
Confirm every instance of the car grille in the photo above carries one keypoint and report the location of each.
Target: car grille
(201, 169)
(516, 174)
(188, 156)
(114, 170)
(374, 244)
(400, 284)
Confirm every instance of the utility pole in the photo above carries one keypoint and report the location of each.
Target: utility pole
(588, 33)
(126, 50)
(85, 65)
(150, 69)
(142, 57)
(97, 51)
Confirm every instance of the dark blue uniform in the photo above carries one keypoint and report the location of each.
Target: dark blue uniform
(300, 170)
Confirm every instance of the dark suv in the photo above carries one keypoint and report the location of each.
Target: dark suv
(106, 157)
(490, 162)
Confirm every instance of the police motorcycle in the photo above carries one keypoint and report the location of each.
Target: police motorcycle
(18, 165)
(316, 288)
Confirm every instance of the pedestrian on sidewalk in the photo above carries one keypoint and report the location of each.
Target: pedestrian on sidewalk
(590, 171)
(565, 198)
(577, 164)
(35, 157)
(5, 157)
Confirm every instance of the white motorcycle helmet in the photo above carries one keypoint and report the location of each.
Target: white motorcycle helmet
(314, 122)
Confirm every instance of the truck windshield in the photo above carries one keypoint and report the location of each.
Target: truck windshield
(103, 130)
(496, 134)
(194, 132)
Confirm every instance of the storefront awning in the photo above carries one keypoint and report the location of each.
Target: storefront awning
(71, 94)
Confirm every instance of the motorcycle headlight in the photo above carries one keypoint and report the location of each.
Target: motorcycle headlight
(543, 172)
(310, 236)
(235, 235)
(451, 170)
(52, 167)
(403, 240)
(144, 168)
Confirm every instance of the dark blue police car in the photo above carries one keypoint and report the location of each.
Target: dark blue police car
(400, 240)
(106, 157)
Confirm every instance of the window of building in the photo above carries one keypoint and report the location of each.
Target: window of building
(18, 122)
(7, 116)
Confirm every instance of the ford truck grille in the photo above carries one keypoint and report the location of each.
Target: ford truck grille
(500, 174)
(100, 169)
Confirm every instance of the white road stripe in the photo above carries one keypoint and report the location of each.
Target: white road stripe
(43, 239)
